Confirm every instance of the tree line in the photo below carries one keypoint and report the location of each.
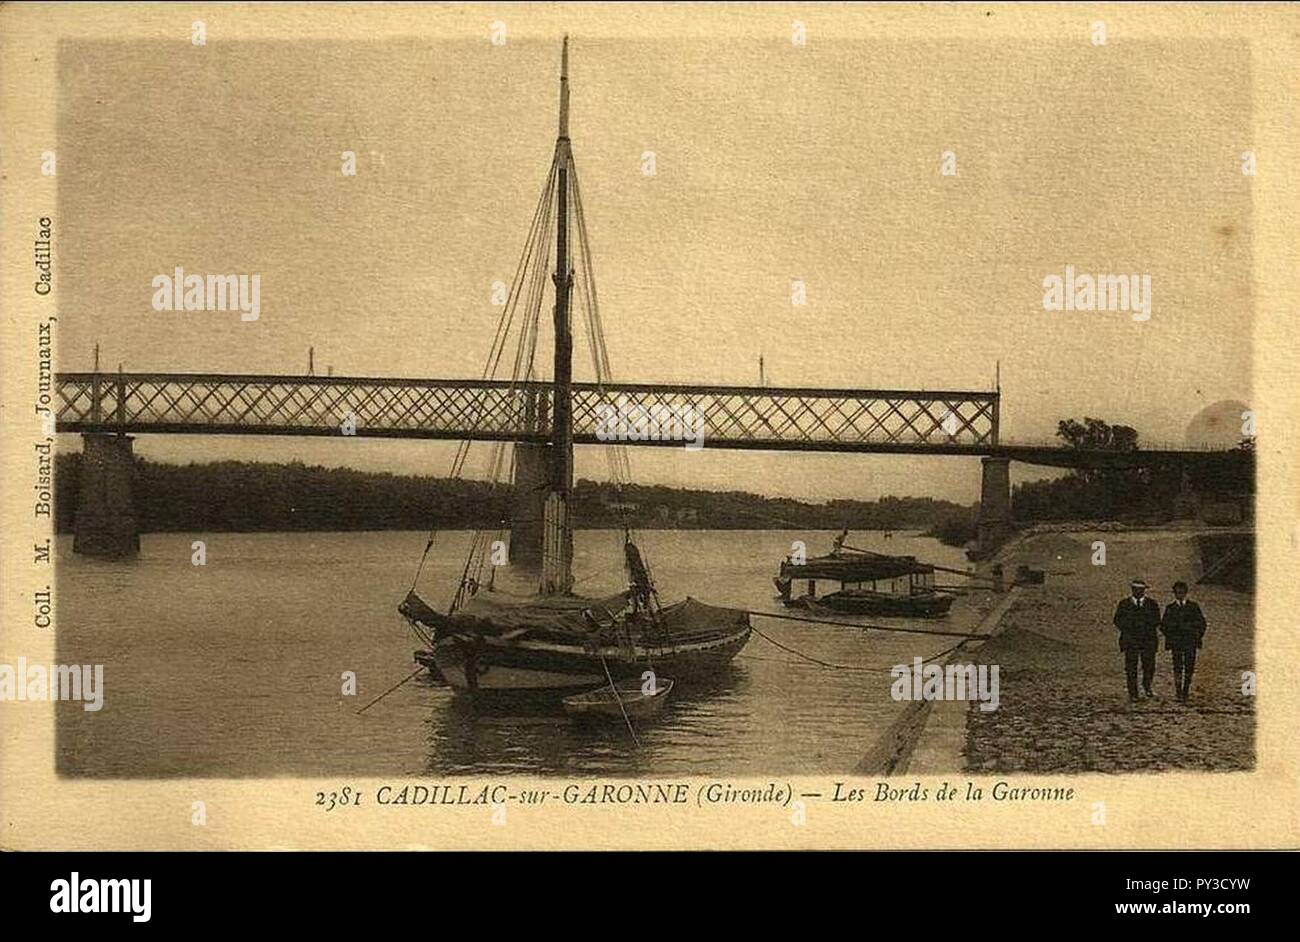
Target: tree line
(261, 496)
(1124, 494)
(242, 496)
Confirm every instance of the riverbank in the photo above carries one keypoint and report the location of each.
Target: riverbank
(1064, 705)
(1063, 702)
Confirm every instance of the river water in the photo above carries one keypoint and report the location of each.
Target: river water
(234, 668)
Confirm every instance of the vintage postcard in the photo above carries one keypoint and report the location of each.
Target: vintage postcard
(518, 426)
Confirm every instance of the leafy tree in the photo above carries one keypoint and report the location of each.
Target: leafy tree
(1097, 434)
(1090, 494)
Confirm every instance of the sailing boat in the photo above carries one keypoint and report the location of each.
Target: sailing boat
(555, 641)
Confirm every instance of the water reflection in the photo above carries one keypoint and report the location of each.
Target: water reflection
(532, 733)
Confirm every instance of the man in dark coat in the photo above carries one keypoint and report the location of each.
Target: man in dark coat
(1137, 618)
(1183, 625)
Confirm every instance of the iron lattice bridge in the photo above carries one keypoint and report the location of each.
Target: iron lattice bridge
(747, 417)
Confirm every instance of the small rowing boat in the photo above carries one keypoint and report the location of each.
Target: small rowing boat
(632, 696)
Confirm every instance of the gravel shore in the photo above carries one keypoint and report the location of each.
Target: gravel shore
(1064, 707)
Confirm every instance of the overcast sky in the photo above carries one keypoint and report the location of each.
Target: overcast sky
(774, 163)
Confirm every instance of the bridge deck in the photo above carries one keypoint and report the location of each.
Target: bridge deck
(935, 422)
(727, 416)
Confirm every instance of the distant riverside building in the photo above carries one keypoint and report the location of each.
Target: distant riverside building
(678, 516)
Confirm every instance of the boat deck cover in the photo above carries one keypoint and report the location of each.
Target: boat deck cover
(854, 568)
(565, 618)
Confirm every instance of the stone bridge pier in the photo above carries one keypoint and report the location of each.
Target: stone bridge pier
(105, 517)
(532, 484)
(994, 525)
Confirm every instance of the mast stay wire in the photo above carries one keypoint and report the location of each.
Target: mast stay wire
(526, 295)
(536, 245)
(533, 279)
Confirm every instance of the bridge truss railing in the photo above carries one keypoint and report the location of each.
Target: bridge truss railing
(728, 416)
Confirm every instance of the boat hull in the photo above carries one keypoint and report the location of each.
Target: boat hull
(486, 665)
(917, 606)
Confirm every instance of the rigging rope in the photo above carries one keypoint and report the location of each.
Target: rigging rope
(616, 454)
(527, 284)
(524, 302)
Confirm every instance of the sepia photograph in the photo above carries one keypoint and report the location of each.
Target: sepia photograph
(680, 410)
(868, 497)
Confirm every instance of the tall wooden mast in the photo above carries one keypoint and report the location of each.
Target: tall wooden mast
(557, 568)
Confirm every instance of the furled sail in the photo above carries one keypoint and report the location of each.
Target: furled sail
(496, 614)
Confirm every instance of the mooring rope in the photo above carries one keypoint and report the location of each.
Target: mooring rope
(391, 689)
(849, 624)
(843, 667)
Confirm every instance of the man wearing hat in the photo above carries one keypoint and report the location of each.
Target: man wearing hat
(1184, 627)
(1137, 618)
